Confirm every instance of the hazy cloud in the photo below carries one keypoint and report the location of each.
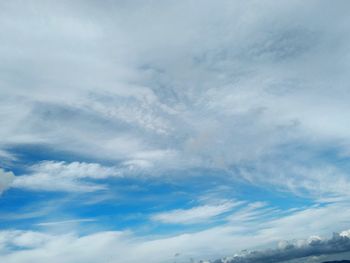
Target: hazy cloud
(6, 179)
(252, 91)
(228, 85)
(195, 214)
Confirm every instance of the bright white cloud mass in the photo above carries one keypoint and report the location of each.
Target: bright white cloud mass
(174, 131)
(59, 176)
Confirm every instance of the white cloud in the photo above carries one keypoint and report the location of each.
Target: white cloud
(21, 246)
(230, 84)
(61, 176)
(306, 177)
(255, 89)
(85, 177)
(195, 214)
(5, 155)
(257, 211)
(72, 221)
(6, 179)
(75, 169)
(23, 239)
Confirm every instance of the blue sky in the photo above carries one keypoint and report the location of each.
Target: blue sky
(171, 131)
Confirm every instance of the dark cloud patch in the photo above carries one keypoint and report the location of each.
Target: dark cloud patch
(293, 250)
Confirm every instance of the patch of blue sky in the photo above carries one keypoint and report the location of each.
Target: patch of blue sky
(130, 202)
(29, 154)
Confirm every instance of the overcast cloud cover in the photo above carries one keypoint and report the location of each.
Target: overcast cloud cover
(171, 131)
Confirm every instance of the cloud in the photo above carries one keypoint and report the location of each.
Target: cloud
(311, 178)
(252, 212)
(228, 85)
(19, 246)
(253, 91)
(72, 221)
(130, 247)
(6, 179)
(195, 214)
(22, 239)
(314, 246)
(62, 176)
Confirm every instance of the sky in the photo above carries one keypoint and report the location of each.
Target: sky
(174, 131)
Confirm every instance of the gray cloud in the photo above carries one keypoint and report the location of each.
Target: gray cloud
(293, 250)
(257, 89)
(228, 86)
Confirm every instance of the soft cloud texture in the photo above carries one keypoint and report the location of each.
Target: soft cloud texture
(175, 97)
(228, 85)
(126, 247)
(195, 214)
(229, 239)
(6, 179)
(61, 176)
(314, 246)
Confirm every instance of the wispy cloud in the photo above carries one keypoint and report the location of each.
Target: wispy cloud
(61, 176)
(196, 214)
(201, 92)
(197, 245)
(237, 95)
(72, 221)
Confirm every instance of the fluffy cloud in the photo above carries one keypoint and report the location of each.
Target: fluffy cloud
(228, 84)
(23, 239)
(157, 92)
(6, 179)
(61, 176)
(255, 90)
(21, 246)
(314, 246)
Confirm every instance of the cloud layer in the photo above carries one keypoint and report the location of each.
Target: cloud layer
(314, 246)
(155, 129)
(235, 88)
